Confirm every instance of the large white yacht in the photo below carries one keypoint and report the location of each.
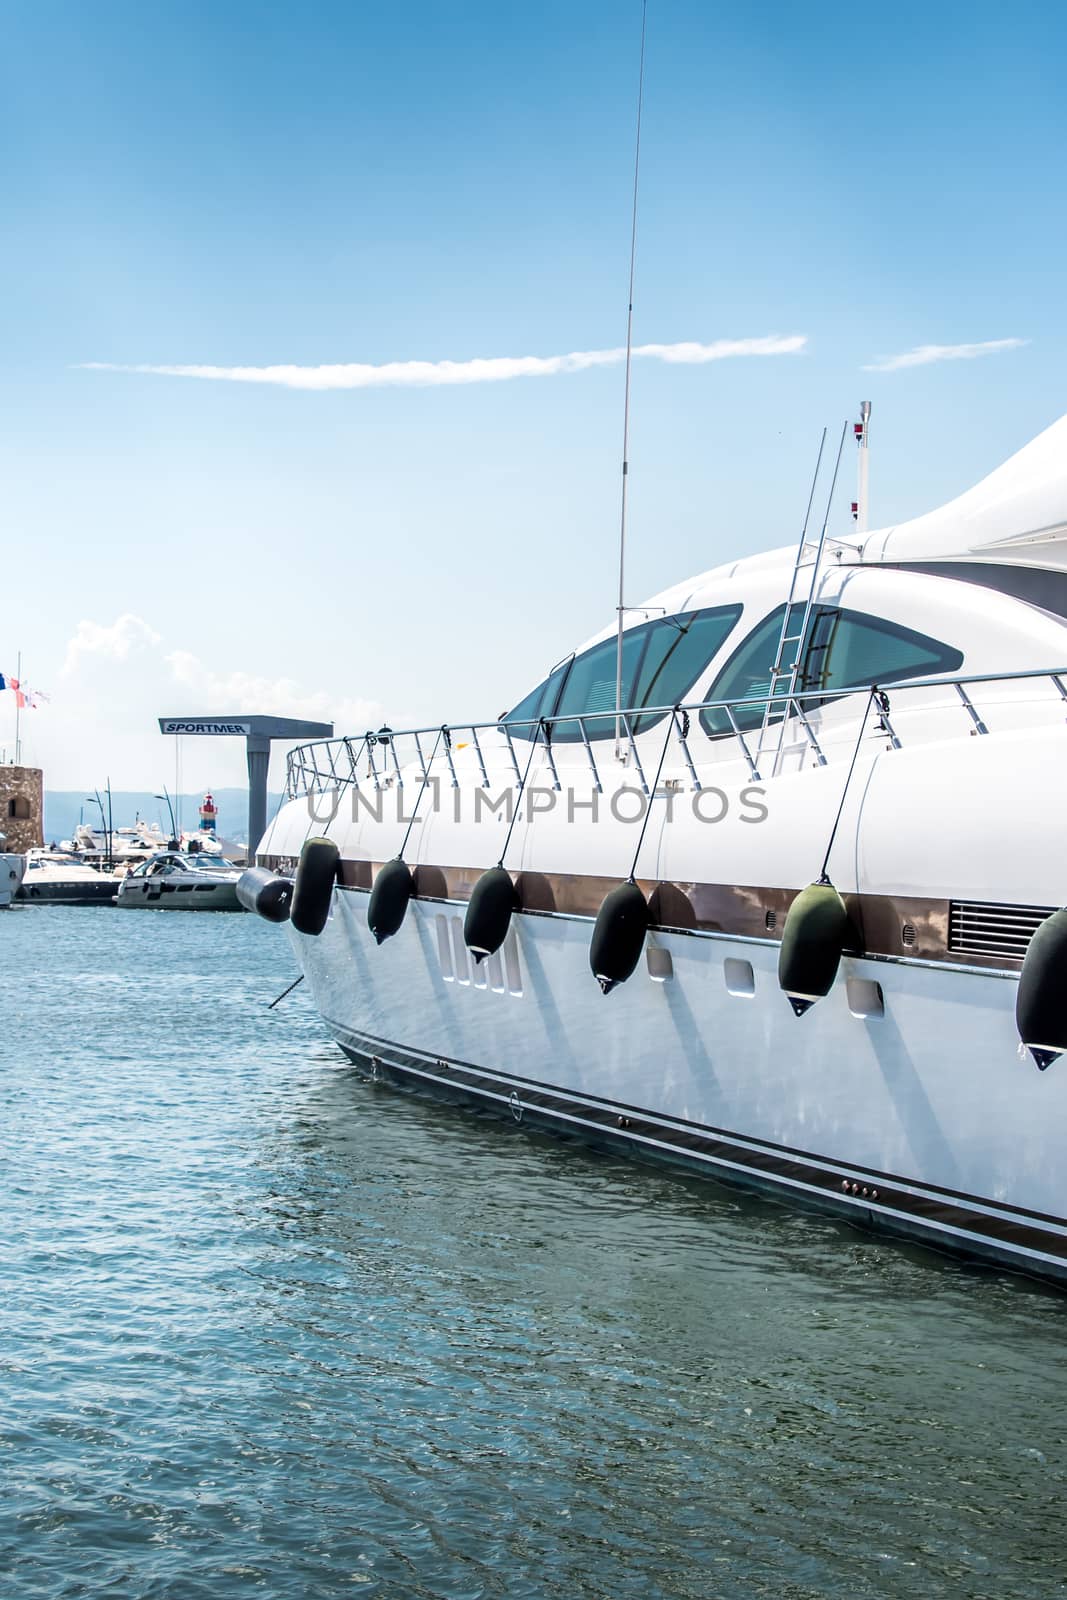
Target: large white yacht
(876, 720)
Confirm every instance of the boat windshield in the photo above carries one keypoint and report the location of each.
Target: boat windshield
(661, 661)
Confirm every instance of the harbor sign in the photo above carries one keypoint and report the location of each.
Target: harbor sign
(258, 732)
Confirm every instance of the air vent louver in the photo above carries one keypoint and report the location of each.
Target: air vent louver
(979, 929)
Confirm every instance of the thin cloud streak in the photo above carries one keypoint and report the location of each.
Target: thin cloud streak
(493, 369)
(924, 355)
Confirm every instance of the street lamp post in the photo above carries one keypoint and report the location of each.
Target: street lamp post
(173, 825)
(105, 819)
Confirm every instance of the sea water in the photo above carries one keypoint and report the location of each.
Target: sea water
(267, 1329)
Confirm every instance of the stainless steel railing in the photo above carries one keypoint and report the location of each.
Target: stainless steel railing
(373, 758)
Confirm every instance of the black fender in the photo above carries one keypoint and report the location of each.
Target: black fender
(816, 932)
(316, 873)
(393, 888)
(619, 935)
(492, 902)
(266, 894)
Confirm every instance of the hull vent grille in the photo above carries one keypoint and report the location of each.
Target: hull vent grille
(980, 929)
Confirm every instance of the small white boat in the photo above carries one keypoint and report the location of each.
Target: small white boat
(52, 877)
(175, 881)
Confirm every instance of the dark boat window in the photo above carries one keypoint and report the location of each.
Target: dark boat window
(661, 661)
(591, 686)
(849, 650)
(679, 648)
(843, 650)
(1035, 586)
(540, 702)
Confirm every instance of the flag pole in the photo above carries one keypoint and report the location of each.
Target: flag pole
(18, 712)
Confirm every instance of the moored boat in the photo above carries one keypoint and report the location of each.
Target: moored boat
(764, 912)
(54, 877)
(174, 880)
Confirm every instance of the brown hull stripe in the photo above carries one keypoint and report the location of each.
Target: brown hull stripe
(1000, 1230)
(884, 925)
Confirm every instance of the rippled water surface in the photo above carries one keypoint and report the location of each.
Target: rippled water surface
(269, 1330)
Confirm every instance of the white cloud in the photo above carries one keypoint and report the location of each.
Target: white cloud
(492, 369)
(126, 636)
(925, 354)
(236, 692)
(119, 677)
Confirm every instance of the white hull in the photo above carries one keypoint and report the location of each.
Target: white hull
(133, 895)
(11, 870)
(923, 1120)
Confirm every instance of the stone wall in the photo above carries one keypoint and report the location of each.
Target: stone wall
(22, 807)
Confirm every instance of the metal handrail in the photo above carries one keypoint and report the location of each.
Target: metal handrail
(303, 762)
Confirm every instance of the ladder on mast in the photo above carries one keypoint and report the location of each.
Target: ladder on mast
(789, 656)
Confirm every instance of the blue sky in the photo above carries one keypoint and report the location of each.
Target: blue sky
(251, 185)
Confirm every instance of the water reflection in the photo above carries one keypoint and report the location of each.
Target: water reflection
(281, 1330)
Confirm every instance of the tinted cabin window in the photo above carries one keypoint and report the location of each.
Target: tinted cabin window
(540, 702)
(661, 661)
(844, 650)
(591, 686)
(848, 650)
(746, 675)
(678, 650)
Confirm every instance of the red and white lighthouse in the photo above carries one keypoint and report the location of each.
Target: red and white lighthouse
(209, 813)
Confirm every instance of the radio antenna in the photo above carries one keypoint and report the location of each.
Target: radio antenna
(626, 394)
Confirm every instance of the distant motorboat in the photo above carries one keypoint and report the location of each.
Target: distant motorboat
(121, 848)
(54, 877)
(175, 880)
(128, 846)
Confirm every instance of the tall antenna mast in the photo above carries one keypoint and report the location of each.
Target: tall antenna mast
(861, 504)
(626, 395)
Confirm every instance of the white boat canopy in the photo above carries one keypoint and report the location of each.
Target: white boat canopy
(1017, 515)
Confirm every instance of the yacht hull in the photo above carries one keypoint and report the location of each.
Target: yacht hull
(900, 1101)
(73, 893)
(148, 895)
